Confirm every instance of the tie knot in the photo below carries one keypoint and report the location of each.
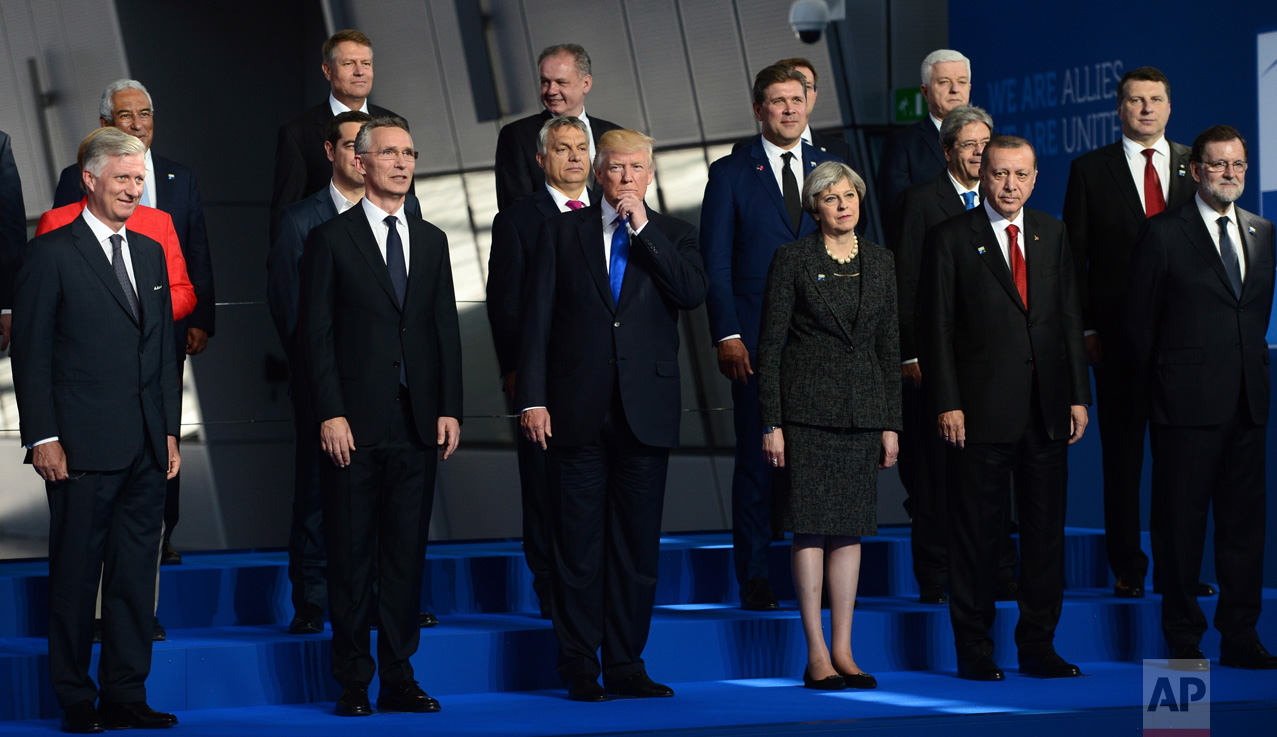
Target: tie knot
(1013, 231)
(575, 204)
(787, 157)
(1222, 221)
(1148, 154)
(391, 221)
(968, 199)
(117, 241)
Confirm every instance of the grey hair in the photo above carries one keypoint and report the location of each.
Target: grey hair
(825, 176)
(106, 107)
(567, 121)
(575, 50)
(959, 118)
(106, 143)
(940, 56)
(363, 139)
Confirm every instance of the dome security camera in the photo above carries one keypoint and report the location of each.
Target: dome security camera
(808, 18)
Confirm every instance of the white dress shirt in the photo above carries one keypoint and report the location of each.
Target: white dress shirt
(339, 200)
(1211, 219)
(339, 108)
(377, 221)
(561, 200)
(959, 188)
(935, 121)
(773, 154)
(1000, 224)
(148, 188)
(1161, 162)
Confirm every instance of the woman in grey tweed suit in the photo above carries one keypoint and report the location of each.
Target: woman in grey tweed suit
(829, 388)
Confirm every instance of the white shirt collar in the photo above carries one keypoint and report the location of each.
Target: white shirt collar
(561, 200)
(959, 186)
(806, 136)
(101, 230)
(339, 200)
(338, 108)
(934, 120)
(378, 216)
(999, 222)
(1135, 150)
(609, 212)
(1212, 217)
(774, 152)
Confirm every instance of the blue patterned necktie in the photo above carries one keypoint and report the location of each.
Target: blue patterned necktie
(121, 273)
(620, 257)
(968, 199)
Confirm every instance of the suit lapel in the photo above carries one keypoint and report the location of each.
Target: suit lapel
(986, 245)
(1121, 173)
(1036, 256)
(1182, 184)
(931, 136)
(1250, 247)
(545, 203)
(767, 180)
(590, 233)
(165, 184)
(360, 232)
(143, 279)
(951, 203)
(418, 256)
(1197, 234)
(98, 261)
(820, 270)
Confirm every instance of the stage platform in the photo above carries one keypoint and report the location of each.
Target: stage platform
(230, 667)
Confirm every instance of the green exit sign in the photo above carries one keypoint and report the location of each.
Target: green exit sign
(910, 105)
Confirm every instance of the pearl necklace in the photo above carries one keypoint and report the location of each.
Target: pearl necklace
(855, 249)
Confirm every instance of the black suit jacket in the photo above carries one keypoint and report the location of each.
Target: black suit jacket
(1188, 336)
(577, 345)
(1103, 212)
(283, 263)
(518, 174)
(354, 335)
(83, 369)
(983, 347)
(514, 238)
(13, 222)
(909, 156)
(816, 366)
(301, 166)
(178, 194)
(922, 206)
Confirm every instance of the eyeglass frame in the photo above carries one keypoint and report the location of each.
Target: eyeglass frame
(391, 154)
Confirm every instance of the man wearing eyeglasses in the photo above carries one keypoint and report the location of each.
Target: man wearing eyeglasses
(1201, 290)
(1111, 192)
(379, 337)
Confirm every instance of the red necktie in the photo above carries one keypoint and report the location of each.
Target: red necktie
(577, 204)
(1154, 202)
(1018, 272)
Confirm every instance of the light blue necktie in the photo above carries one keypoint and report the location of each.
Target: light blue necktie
(968, 198)
(620, 256)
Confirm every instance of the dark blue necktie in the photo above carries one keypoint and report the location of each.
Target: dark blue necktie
(398, 276)
(1228, 252)
(620, 256)
(968, 199)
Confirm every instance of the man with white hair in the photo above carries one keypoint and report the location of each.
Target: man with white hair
(913, 154)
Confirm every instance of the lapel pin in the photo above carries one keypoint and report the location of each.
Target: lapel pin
(170, 176)
(1181, 170)
(760, 167)
(820, 277)
(1251, 230)
(1035, 238)
(980, 250)
(813, 164)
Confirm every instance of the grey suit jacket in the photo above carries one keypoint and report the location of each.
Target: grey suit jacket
(816, 366)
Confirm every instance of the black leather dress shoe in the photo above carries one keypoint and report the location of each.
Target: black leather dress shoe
(406, 696)
(82, 718)
(639, 686)
(1190, 658)
(586, 688)
(828, 683)
(757, 596)
(169, 556)
(157, 632)
(1128, 588)
(981, 668)
(1205, 589)
(308, 620)
(426, 619)
(1251, 657)
(933, 593)
(354, 702)
(133, 714)
(1048, 665)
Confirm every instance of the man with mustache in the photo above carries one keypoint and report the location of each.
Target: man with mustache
(1200, 294)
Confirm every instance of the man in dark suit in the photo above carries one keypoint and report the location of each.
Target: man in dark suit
(826, 143)
(172, 188)
(13, 233)
(301, 168)
(1201, 290)
(565, 80)
(600, 357)
(1111, 191)
(306, 557)
(564, 155)
(963, 134)
(913, 154)
(382, 349)
(97, 389)
(1007, 371)
(752, 205)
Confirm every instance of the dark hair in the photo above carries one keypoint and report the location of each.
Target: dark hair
(1216, 134)
(349, 34)
(1143, 74)
(364, 139)
(1008, 142)
(776, 74)
(332, 133)
(798, 61)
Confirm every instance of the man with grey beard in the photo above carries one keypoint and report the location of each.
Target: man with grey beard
(1201, 290)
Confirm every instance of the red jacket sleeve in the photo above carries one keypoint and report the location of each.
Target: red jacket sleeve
(180, 288)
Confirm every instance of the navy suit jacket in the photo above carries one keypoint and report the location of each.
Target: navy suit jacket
(578, 346)
(178, 194)
(84, 369)
(910, 155)
(283, 263)
(13, 222)
(518, 174)
(743, 221)
(826, 143)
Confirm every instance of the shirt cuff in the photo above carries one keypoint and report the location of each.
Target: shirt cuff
(53, 439)
(906, 363)
(634, 231)
(6, 312)
(735, 336)
(1088, 333)
(529, 409)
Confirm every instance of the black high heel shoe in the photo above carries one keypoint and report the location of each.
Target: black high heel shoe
(828, 683)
